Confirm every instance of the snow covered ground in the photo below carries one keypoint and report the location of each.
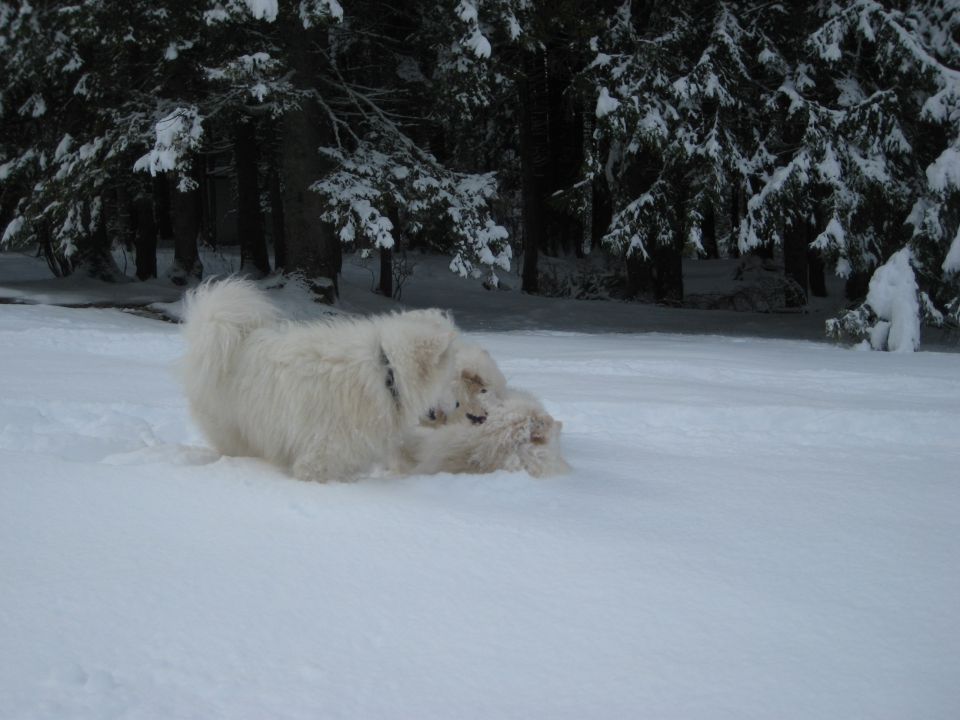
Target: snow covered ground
(753, 528)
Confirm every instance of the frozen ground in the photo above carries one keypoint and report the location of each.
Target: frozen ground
(752, 529)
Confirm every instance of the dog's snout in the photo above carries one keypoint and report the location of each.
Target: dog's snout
(477, 419)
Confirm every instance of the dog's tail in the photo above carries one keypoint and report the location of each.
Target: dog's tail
(217, 316)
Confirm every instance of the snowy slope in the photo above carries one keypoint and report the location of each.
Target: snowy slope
(753, 529)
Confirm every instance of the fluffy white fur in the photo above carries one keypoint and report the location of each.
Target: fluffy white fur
(517, 434)
(312, 397)
(477, 384)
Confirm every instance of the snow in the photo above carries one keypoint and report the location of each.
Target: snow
(214, 15)
(832, 237)
(768, 57)
(312, 10)
(893, 297)
(176, 133)
(606, 103)
(467, 12)
(829, 168)
(262, 9)
(63, 147)
(851, 93)
(943, 175)
(951, 263)
(12, 228)
(479, 44)
(35, 106)
(513, 26)
(753, 529)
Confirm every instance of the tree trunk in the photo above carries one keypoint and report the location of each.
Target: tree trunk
(668, 274)
(709, 233)
(564, 154)
(126, 218)
(60, 265)
(254, 259)
(208, 192)
(275, 193)
(186, 209)
(312, 246)
(816, 265)
(95, 256)
(857, 285)
(146, 242)
(602, 210)
(277, 229)
(533, 163)
(668, 257)
(735, 219)
(639, 276)
(795, 249)
(386, 272)
(817, 271)
(161, 205)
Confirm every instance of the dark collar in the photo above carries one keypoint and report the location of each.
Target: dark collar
(391, 381)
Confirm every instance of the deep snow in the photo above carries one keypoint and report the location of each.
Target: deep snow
(752, 529)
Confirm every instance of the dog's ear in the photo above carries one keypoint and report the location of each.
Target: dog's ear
(472, 380)
(429, 350)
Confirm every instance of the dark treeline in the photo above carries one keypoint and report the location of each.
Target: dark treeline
(821, 137)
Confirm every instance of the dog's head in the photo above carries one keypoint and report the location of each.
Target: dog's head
(477, 384)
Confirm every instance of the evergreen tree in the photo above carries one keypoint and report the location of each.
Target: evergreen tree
(74, 105)
(676, 90)
(387, 183)
(869, 110)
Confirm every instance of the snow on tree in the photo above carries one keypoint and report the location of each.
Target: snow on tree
(384, 186)
(372, 185)
(179, 135)
(869, 109)
(77, 101)
(675, 107)
(353, 113)
(841, 117)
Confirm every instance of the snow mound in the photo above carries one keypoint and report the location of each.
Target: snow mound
(893, 297)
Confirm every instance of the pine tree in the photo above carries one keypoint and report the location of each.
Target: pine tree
(100, 93)
(869, 107)
(676, 91)
(387, 184)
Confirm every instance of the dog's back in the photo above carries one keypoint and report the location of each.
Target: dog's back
(218, 315)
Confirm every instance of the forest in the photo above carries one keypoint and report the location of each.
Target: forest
(822, 137)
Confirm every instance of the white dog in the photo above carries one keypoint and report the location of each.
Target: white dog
(328, 399)
(516, 433)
